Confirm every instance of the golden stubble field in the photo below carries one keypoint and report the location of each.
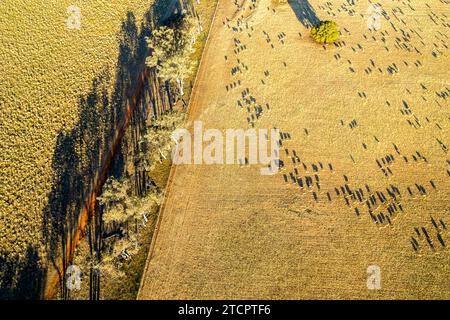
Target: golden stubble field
(54, 75)
(366, 166)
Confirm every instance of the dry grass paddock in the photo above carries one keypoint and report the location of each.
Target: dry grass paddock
(367, 127)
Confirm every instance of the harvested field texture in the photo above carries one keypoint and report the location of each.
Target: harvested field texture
(364, 143)
(65, 72)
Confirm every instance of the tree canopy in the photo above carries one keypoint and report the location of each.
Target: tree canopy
(325, 32)
(155, 146)
(171, 50)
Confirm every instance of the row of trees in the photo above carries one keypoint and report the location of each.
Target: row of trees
(128, 206)
(125, 212)
(156, 144)
(172, 47)
(325, 32)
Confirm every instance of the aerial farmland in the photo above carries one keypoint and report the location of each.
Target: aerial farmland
(364, 128)
(97, 98)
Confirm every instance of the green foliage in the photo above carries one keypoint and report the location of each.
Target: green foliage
(155, 146)
(325, 32)
(172, 48)
(121, 207)
(115, 201)
(163, 45)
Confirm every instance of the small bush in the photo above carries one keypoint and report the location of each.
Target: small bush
(325, 32)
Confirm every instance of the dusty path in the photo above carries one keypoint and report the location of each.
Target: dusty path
(228, 232)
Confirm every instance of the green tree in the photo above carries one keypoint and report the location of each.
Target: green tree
(176, 69)
(115, 200)
(155, 146)
(171, 50)
(162, 45)
(279, 1)
(121, 207)
(325, 32)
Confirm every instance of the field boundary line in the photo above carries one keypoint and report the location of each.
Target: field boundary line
(201, 58)
(173, 168)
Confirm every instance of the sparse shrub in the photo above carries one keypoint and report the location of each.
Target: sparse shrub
(325, 32)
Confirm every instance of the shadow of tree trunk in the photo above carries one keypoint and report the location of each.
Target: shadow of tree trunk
(21, 278)
(305, 12)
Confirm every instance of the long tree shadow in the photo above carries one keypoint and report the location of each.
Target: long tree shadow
(305, 12)
(81, 153)
(21, 278)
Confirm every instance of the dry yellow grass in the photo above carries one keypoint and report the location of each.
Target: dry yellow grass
(45, 69)
(228, 232)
